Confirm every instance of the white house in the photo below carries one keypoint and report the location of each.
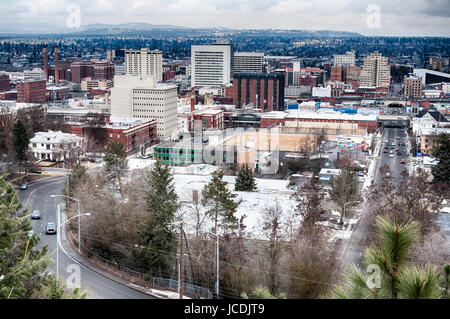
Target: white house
(427, 120)
(56, 146)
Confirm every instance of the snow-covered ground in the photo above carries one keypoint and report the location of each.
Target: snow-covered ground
(271, 192)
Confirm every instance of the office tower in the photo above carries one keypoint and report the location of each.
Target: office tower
(142, 97)
(212, 65)
(412, 87)
(375, 71)
(248, 62)
(144, 62)
(264, 90)
(347, 59)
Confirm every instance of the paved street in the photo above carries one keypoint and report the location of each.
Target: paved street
(37, 196)
(352, 249)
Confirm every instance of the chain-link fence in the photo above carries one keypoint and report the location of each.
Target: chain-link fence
(190, 290)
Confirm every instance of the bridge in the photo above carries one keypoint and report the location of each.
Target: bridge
(392, 117)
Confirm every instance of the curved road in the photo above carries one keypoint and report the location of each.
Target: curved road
(37, 196)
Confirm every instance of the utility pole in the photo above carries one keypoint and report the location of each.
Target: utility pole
(181, 262)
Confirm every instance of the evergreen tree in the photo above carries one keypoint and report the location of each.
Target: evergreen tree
(22, 267)
(116, 162)
(217, 198)
(245, 181)
(397, 278)
(441, 171)
(157, 234)
(261, 292)
(20, 141)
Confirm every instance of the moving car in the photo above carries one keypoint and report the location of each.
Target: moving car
(391, 155)
(23, 186)
(50, 228)
(36, 214)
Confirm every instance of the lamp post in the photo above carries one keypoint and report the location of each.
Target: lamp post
(180, 266)
(57, 239)
(217, 262)
(345, 204)
(78, 215)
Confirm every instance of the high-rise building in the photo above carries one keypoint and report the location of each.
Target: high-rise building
(248, 62)
(336, 74)
(144, 62)
(347, 59)
(142, 97)
(352, 75)
(32, 91)
(375, 71)
(212, 65)
(412, 87)
(264, 90)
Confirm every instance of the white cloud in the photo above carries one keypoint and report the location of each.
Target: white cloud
(413, 17)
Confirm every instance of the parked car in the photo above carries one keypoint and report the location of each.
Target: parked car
(50, 228)
(36, 214)
(30, 233)
(23, 186)
(391, 155)
(402, 161)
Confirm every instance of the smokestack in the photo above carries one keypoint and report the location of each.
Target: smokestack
(56, 65)
(192, 104)
(45, 64)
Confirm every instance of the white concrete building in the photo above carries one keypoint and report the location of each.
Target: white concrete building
(35, 74)
(144, 62)
(212, 65)
(56, 146)
(347, 59)
(142, 97)
(88, 83)
(120, 69)
(375, 71)
(248, 62)
(321, 91)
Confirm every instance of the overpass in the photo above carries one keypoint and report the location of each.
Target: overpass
(393, 120)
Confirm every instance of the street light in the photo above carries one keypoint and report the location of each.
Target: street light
(57, 239)
(357, 201)
(78, 214)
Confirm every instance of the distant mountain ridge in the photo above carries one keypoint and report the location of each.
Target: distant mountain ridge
(128, 28)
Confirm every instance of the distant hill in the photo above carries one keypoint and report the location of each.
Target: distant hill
(147, 29)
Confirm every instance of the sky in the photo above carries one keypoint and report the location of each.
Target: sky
(383, 17)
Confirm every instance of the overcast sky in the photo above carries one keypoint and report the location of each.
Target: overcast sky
(397, 17)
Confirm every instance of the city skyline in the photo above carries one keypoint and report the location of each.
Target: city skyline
(390, 18)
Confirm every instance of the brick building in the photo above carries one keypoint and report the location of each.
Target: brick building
(31, 91)
(136, 135)
(4, 82)
(264, 90)
(95, 69)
